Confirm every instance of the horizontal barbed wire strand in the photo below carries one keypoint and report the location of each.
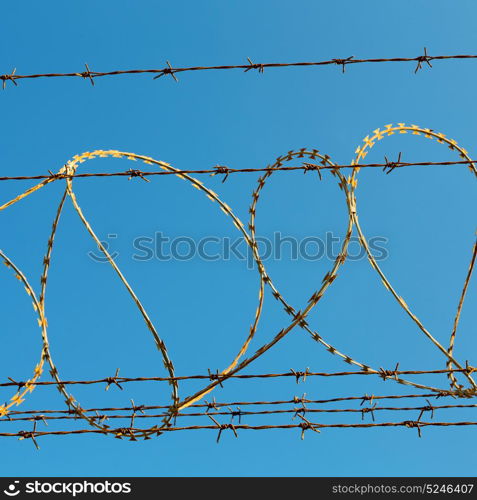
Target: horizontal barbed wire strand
(224, 170)
(242, 413)
(135, 433)
(260, 67)
(216, 405)
(298, 374)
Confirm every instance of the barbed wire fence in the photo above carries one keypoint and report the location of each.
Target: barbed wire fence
(87, 74)
(299, 413)
(194, 407)
(224, 170)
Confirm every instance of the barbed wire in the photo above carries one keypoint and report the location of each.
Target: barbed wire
(240, 413)
(302, 409)
(297, 412)
(387, 167)
(217, 405)
(90, 75)
(299, 375)
(297, 317)
(134, 433)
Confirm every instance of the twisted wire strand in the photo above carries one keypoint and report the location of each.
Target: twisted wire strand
(217, 405)
(133, 433)
(299, 375)
(222, 169)
(133, 412)
(260, 67)
(214, 410)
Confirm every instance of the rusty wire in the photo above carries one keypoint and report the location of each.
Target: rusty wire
(134, 433)
(388, 166)
(90, 75)
(299, 375)
(230, 412)
(217, 404)
(313, 160)
(297, 407)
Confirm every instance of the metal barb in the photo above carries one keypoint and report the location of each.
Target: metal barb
(391, 165)
(19, 384)
(215, 376)
(113, 380)
(429, 407)
(167, 71)
(411, 424)
(260, 67)
(223, 427)
(366, 398)
(88, 74)
(306, 425)
(136, 173)
(10, 77)
(236, 413)
(212, 405)
(30, 435)
(221, 169)
(385, 374)
(368, 410)
(343, 62)
(312, 166)
(423, 59)
(300, 375)
(469, 369)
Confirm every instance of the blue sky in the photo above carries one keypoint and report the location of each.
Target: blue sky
(203, 309)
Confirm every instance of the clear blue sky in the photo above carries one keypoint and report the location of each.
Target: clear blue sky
(203, 309)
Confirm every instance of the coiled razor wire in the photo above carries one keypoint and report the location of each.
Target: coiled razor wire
(297, 316)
